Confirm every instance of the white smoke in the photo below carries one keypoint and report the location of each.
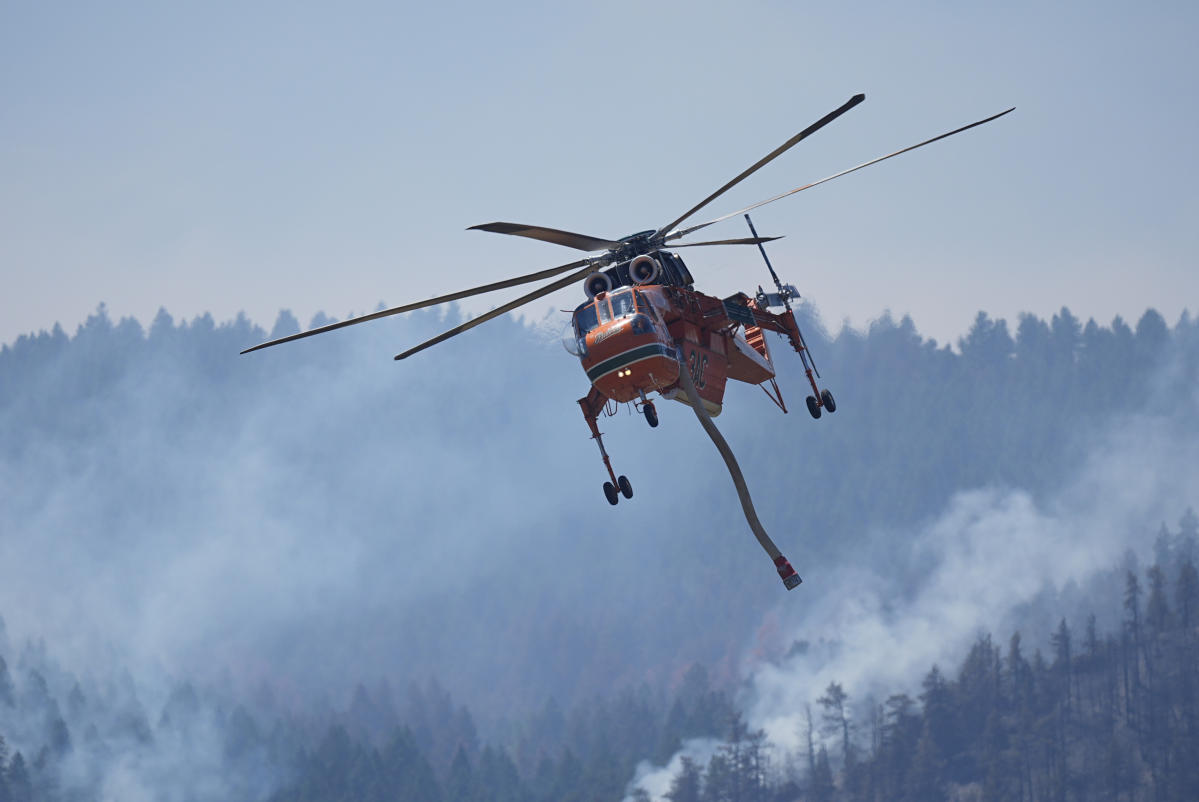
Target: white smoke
(991, 550)
(655, 780)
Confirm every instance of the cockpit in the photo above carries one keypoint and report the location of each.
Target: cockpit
(619, 303)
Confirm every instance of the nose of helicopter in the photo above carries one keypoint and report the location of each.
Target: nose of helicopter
(628, 357)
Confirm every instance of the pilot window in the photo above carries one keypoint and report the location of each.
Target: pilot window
(622, 304)
(585, 319)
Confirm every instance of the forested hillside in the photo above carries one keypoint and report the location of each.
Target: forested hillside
(1099, 715)
(309, 569)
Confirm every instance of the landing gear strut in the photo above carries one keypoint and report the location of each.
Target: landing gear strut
(592, 405)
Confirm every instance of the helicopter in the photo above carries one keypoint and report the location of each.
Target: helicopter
(644, 328)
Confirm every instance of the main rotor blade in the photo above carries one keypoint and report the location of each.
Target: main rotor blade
(684, 232)
(500, 310)
(395, 310)
(580, 242)
(741, 241)
(804, 134)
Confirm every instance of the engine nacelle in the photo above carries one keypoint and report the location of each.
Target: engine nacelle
(644, 269)
(596, 283)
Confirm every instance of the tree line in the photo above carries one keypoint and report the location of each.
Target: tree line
(1110, 715)
(1097, 715)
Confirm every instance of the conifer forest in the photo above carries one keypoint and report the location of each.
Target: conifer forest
(313, 575)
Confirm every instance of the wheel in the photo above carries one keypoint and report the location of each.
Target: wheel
(625, 487)
(829, 402)
(610, 493)
(813, 406)
(651, 415)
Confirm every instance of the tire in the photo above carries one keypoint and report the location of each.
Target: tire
(829, 402)
(611, 494)
(814, 406)
(651, 416)
(626, 489)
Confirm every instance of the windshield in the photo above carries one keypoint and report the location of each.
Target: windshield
(585, 319)
(643, 305)
(622, 303)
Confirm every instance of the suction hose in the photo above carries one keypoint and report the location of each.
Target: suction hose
(789, 577)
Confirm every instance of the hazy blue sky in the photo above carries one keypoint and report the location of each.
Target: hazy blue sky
(225, 157)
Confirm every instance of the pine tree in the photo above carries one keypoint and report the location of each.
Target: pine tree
(718, 781)
(809, 730)
(1131, 651)
(1157, 609)
(1063, 658)
(498, 775)
(835, 718)
(1187, 595)
(20, 787)
(1163, 546)
(925, 781)
(685, 787)
(567, 786)
(1132, 603)
(820, 783)
(408, 774)
(8, 696)
(939, 718)
(460, 784)
(5, 793)
(1188, 536)
(901, 732)
(975, 695)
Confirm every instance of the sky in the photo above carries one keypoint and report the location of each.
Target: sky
(223, 157)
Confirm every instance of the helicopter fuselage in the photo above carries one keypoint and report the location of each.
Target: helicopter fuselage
(625, 346)
(634, 340)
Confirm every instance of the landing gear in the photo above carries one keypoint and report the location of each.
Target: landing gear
(813, 406)
(651, 414)
(592, 405)
(826, 402)
(613, 492)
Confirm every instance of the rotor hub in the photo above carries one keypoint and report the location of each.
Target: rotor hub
(636, 244)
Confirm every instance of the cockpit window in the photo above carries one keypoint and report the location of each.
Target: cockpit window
(643, 304)
(601, 306)
(622, 303)
(585, 319)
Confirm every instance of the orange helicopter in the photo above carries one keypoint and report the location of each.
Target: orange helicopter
(644, 328)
